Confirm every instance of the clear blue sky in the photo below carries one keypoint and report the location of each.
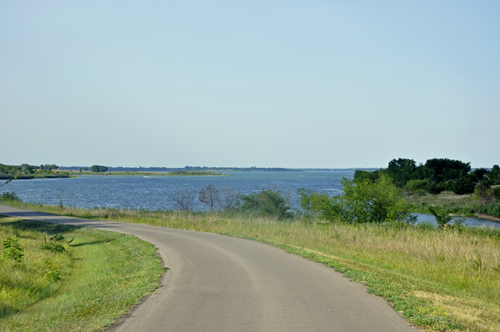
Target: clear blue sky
(249, 83)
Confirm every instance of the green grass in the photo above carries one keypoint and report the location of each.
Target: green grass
(440, 279)
(96, 279)
(462, 205)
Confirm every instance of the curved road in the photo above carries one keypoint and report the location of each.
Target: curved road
(219, 283)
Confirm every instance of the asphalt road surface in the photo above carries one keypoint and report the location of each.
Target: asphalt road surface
(219, 283)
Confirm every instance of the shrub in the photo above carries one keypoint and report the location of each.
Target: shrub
(442, 218)
(364, 201)
(50, 273)
(10, 196)
(12, 249)
(268, 202)
(491, 209)
(53, 246)
(414, 185)
(496, 193)
(435, 188)
(464, 185)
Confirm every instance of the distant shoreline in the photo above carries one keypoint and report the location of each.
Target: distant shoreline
(217, 169)
(145, 173)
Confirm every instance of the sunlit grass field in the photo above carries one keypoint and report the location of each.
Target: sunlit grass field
(96, 278)
(440, 279)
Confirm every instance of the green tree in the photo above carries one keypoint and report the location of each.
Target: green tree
(401, 171)
(464, 185)
(495, 174)
(98, 169)
(268, 202)
(442, 218)
(373, 176)
(364, 201)
(443, 169)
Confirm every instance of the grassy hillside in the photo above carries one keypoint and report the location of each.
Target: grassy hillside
(81, 282)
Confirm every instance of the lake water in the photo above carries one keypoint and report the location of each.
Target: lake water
(155, 192)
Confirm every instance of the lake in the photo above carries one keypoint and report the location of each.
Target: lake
(155, 192)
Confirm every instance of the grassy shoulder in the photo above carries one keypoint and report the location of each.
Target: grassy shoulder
(441, 279)
(85, 286)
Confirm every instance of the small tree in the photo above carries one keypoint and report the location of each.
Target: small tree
(442, 218)
(183, 200)
(483, 192)
(268, 202)
(305, 200)
(209, 196)
(364, 201)
(228, 198)
(464, 185)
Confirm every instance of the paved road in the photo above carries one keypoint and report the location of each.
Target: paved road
(219, 283)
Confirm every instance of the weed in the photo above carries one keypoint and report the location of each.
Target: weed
(53, 246)
(50, 273)
(12, 249)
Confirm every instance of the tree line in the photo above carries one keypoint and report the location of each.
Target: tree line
(435, 176)
(26, 171)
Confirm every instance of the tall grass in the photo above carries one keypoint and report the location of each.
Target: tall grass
(441, 278)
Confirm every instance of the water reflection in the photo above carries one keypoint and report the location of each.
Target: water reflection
(478, 222)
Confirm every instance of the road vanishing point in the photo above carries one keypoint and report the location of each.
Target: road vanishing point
(219, 283)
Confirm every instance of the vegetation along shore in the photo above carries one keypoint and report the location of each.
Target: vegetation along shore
(26, 172)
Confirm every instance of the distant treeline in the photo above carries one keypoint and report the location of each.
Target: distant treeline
(435, 176)
(216, 169)
(26, 171)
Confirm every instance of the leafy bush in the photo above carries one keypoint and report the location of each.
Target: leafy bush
(496, 193)
(268, 202)
(57, 237)
(464, 185)
(51, 273)
(414, 185)
(12, 249)
(53, 246)
(442, 218)
(435, 188)
(491, 209)
(364, 201)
